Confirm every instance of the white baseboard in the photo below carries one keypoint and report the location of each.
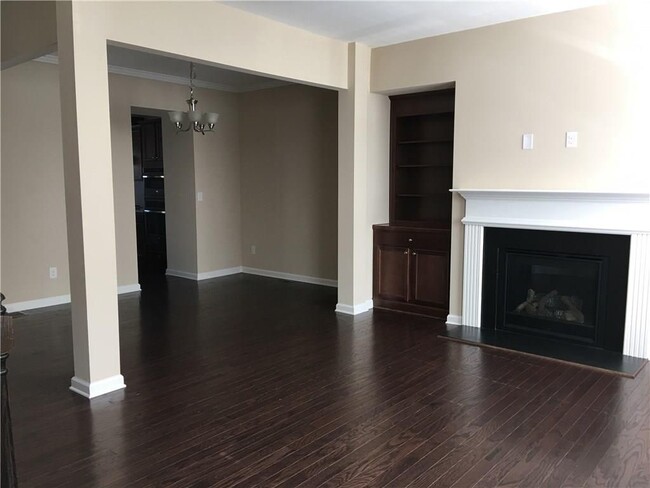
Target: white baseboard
(203, 276)
(291, 277)
(181, 274)
(39, 303)
(97, 388)
(454, 320)
(218, 273)
(135, 287)
(59, 300)
(354, 309)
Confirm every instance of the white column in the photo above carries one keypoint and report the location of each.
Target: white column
(354, 230)
(473, 275)
(637, 317)
(90, 213)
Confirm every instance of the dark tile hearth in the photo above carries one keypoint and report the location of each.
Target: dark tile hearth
(590, 357)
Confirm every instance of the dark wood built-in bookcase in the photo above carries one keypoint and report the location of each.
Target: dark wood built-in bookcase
(422, 147)
(411, 252)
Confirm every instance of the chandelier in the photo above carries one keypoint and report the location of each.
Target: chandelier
(193, 118)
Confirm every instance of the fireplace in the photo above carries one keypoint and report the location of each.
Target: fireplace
(574, 270)
(565, 286)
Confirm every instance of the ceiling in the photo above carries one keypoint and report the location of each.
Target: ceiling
(379, 23)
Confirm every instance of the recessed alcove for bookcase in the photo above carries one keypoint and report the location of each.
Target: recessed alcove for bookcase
(422, 158)
(411, 252)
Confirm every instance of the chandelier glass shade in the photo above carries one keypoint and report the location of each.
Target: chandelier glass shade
(193, 119)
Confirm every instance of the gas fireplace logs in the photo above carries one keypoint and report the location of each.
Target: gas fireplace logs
(552, 305)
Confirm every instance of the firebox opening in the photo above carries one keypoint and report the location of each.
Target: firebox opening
(552, 295)
(569, 287)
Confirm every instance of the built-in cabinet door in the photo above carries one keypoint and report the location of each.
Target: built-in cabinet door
(429, 278)
(151, 140)
(411, 270)
(392, 268)
(141, 233)
(136, 136)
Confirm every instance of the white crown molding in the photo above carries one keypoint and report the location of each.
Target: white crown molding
(97, 388)
(60, 300)
(176, 80)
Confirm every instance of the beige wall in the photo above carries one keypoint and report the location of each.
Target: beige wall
(288, 141)
(217, 166)
(33, 205)
(545, 75)
(235, 39)
(180, 201)
(28, 30)
(287, 184)
(208, 163)
(363, 179)
(378, 158)
(32, 184)
(180, 205)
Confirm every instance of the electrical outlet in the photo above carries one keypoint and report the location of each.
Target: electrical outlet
(53, 273)
(253, 249)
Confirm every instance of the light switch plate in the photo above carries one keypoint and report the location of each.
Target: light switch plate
(527, 141)
(571, 139)
(199, 196)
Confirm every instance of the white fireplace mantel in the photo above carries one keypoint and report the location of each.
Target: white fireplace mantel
(570, 211)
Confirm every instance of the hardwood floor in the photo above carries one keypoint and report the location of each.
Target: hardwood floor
(248, 381)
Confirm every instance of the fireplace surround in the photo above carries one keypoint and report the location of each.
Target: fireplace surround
(571, 212)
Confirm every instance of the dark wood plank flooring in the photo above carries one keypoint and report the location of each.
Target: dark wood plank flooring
(248, 381)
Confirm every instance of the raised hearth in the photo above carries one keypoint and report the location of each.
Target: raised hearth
(572, 290)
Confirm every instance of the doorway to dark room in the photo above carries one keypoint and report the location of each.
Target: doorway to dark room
(149, 183)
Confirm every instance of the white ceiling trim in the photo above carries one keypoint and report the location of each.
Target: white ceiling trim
(177, 80)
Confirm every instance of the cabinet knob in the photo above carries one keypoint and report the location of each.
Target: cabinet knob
(406, 252)
(414, 253)
(410, 240)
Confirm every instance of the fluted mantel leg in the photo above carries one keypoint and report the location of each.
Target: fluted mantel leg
(473, 275)
(637, 317)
